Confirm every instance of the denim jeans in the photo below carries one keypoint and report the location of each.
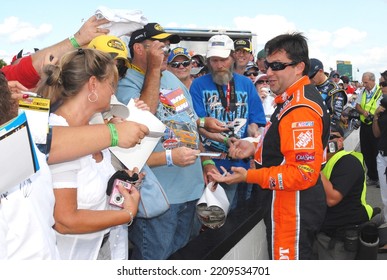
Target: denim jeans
(158, 238)
(230, 191)
(243, 193)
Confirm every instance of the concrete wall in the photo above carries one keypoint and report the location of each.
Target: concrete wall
(351, 142)
(252, 246)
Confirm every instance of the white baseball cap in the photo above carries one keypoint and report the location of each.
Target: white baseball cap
(220, 45)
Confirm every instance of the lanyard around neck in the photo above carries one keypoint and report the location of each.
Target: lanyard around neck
(136, 68)
(228, 99)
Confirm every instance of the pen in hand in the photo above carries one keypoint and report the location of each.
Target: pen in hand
(213, 188)
(27, 94)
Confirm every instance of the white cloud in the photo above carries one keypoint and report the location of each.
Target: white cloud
(16, 31)
(347, 36)
(265, 26)
(318, 38)
(9, 25)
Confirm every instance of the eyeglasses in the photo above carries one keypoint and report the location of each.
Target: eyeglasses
(262, 82)
(277, 66)
(336, 76)
(176, 64)
(251, 73)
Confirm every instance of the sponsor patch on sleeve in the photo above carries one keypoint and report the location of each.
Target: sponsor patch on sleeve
(280, 181)
(305, 157)
(272, 183)
(306, 171)
(303, 139)
(302, 124)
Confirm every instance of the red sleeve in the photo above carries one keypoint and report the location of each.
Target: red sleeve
(23, 72)
(301, 144)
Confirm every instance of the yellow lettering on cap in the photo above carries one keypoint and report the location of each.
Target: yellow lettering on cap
(178, 50)
(241, 42)
(115, 44)
(158, 27)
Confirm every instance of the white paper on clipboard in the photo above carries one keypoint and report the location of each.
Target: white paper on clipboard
(138, 155)
(18, 156)
(37, 110)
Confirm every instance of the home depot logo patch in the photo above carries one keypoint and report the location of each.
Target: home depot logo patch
(303, 139)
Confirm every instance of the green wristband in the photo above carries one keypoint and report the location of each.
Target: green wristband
(202, 122)
(225, 140)
(208, 162)
(74, 42)
(113, 135)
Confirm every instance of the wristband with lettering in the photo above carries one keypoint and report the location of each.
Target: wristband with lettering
(113, 134)
(168, 156)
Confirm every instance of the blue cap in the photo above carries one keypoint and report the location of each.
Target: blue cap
(315, 66)
(178, 51)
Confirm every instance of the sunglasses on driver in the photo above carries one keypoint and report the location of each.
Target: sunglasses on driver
(277, 66)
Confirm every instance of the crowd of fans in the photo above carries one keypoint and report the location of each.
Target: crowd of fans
(217, 100)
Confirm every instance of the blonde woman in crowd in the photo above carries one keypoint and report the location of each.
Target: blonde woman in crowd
(83, 83)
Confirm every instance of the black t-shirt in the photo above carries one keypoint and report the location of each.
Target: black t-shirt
(347, 177)
(382, 140)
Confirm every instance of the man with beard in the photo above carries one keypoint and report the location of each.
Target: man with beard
(230, 98)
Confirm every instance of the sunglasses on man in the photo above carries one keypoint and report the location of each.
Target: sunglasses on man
(176, 64)
(278, 66)
(247, 74)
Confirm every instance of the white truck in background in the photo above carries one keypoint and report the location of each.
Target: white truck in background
(196, 39)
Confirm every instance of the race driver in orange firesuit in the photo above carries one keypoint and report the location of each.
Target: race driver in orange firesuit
(290, 153)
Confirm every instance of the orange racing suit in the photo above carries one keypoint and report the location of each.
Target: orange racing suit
(288, 159)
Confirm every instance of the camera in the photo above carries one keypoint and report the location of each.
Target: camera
(351, 113)
(166, 50)
(353, 117)
(332, 147)
(369, 118)
(116, 198)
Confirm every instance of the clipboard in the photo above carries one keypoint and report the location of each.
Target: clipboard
(37, 110)
(18, 154)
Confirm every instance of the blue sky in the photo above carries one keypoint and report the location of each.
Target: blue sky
(336, 30)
